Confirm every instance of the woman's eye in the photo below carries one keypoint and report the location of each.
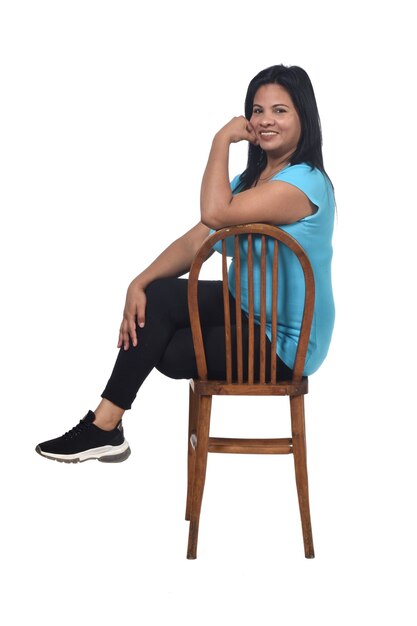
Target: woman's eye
(279, 110)
(257, 111)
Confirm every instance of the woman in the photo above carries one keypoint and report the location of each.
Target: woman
(284, 184)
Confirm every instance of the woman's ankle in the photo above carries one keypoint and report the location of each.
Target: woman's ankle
(108, 415)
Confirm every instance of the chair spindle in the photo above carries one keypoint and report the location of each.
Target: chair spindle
(262, 336)
(251, 320)
(274, 316)
(238, 313)
(226, 305)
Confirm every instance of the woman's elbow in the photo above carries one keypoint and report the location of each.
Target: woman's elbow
(210, 219)
(213, 224)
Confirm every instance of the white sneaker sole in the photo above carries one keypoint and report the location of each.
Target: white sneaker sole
(105, 454)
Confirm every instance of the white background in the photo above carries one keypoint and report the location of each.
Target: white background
(107, 112)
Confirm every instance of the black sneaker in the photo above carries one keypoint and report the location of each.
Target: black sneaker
(87, 441)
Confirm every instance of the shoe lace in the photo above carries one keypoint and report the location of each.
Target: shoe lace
(77, 430)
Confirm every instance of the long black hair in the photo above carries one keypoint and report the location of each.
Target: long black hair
(309, 149)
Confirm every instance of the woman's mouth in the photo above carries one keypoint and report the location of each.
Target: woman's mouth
(266, 135)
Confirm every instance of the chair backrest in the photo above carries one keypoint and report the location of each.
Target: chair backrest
(252, 233)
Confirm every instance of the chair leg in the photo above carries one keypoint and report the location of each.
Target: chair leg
(192, 431)
(203, 429)
(301, 476)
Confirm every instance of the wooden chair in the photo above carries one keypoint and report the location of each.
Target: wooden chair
(201, 389)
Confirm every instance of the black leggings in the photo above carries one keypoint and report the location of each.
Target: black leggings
(166, 342)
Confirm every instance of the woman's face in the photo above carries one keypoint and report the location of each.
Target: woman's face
(275, 120)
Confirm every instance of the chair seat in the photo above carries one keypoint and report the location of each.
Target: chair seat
(222, 388)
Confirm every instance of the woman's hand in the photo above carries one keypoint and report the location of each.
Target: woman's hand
(238, 129)
(134, 313)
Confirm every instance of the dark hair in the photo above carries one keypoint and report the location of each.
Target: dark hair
(296, 81)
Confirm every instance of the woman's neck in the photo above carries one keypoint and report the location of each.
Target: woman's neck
(273, 168)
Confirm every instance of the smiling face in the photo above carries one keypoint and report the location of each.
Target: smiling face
(275, 121)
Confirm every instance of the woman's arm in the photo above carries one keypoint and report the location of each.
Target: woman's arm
(273, 203)
(173, 261)
(176, 259)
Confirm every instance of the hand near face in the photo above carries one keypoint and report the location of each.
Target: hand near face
(239, 129)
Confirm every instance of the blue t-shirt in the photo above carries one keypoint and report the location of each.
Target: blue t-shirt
(314, 234)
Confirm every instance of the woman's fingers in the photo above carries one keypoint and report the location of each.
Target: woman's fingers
(132, 332)
(134, 314)
(238, 129)
(252, 135)
(127, 334)
(141, 308)
(123, 337)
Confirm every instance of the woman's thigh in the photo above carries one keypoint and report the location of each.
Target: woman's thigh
(168, 298)
(179, 361)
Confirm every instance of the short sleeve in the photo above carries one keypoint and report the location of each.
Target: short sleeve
(309, 180)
